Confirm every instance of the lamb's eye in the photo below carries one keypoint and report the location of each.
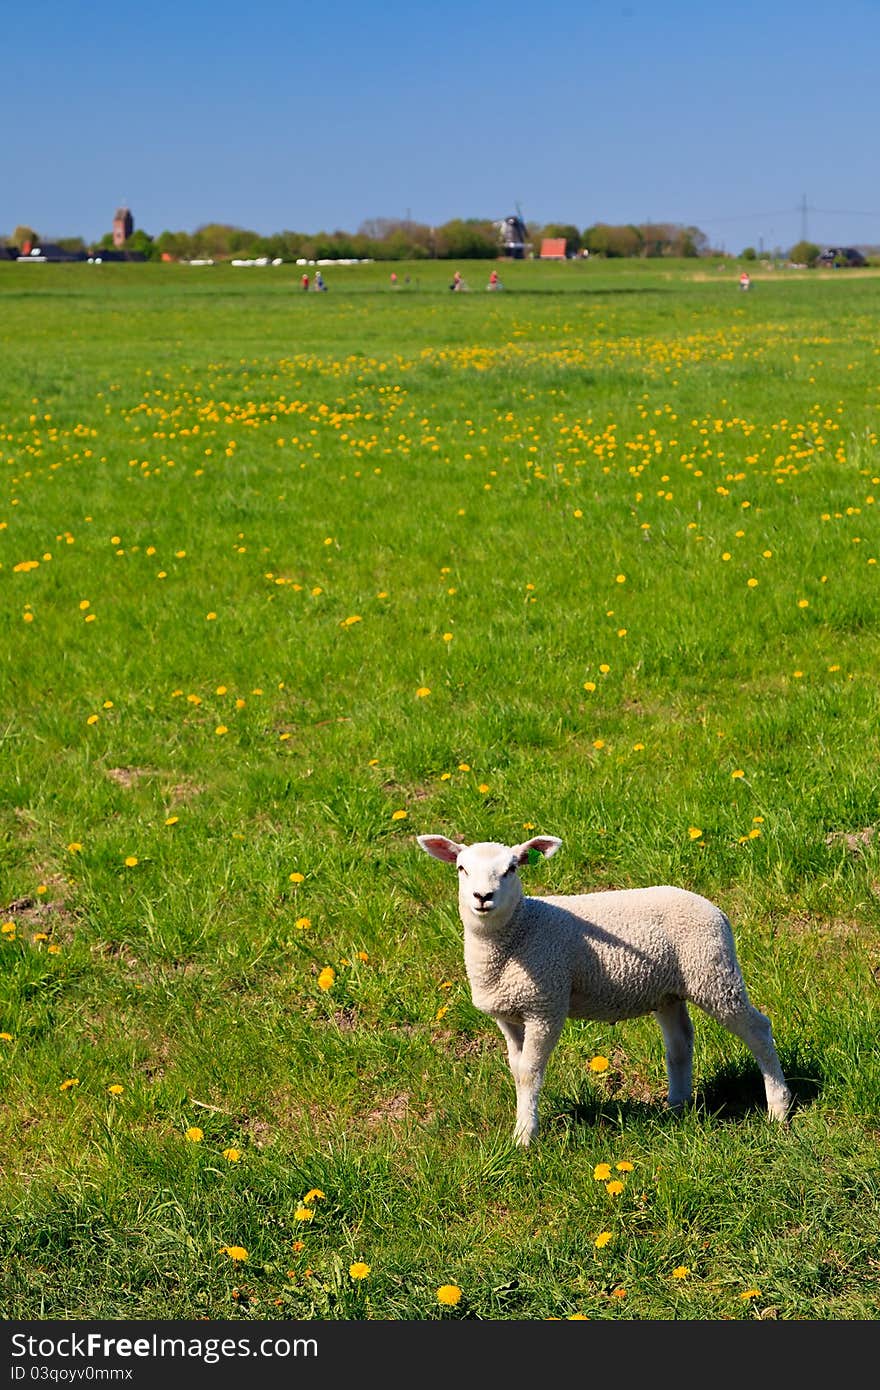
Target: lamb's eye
(511, 868)
(462, 870)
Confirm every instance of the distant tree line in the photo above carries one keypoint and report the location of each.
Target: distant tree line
(392, 239)
(400, 239)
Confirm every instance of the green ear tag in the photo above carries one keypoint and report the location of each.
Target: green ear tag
(535, 857)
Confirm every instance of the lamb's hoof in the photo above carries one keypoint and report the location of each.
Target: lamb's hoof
(781, 1109)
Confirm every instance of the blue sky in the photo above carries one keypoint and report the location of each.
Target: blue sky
(682, 112)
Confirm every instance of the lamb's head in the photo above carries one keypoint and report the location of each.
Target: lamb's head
(489, 886)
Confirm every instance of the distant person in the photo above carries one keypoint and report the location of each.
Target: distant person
(745, 281)
(457, 281)
(319, 281)
(394, 279)
(494, 281)
(305, 280)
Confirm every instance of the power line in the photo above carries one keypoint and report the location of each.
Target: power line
(802, 207)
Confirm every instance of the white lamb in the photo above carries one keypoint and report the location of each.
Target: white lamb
(533, 962)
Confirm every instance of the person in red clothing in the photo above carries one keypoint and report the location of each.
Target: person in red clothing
(305, 280)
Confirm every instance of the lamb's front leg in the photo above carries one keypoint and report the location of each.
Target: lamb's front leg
(512, 1028)
(539, 1037)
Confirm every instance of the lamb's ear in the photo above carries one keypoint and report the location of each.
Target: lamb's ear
(541, 844)
(440, 848)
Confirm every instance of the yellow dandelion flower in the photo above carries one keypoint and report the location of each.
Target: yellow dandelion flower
(752, 583)
(235, 1252)
(131, 860)
(680, 1272)
(624, 1166)
(115, 1089)
(232, 1155)
(398, 815)
(483, 787)
(618, 1293)
(737, 772)
(303, 1213)
(74, 847)
(447, 637)
(194, 1135)
(359, 1270)
(598, 1063)
(750, 1293)
(209, 617)
(303, 923)
(601, 1172)
(694, 832)
(171, 820)
(803, 603)
(577, 1317)
(422, 691)
(5, 1037)
(614, 1188)
(297, 878)
(604, 668)
(590, 685)
(441, 1012)
(313, 1195)
(449, 1295)
(603, 1239)
(67, 1085)
(92, 719)
(221, 729)
(54, 950)
(40, 936)
(326, 978)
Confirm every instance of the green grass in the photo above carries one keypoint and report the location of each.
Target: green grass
(289, 514)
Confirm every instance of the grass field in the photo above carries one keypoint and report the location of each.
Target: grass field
(289, 579)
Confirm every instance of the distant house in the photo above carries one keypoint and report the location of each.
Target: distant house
(513, 237)
(49, 251)
(841, 256)
(553, 248)
(106, 255)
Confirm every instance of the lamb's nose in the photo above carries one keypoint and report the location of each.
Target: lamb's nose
(484, 901)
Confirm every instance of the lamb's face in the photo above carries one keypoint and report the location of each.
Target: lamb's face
(489, 886)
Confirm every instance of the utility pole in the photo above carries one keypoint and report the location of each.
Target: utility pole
(804, 218)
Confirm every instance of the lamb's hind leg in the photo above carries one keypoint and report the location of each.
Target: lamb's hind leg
(753, 1027)
(678, 1041)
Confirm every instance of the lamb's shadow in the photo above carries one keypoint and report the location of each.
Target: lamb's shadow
(732, 1092)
